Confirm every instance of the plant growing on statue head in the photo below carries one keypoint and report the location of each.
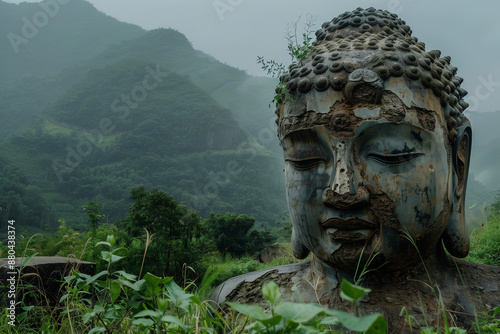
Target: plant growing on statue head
(297, 49)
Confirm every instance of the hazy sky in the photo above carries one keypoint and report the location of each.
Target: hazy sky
(237, 31)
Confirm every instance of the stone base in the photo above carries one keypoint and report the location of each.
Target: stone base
(44, 276)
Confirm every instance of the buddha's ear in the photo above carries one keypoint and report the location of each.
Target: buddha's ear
(456, 237)
(299, 250)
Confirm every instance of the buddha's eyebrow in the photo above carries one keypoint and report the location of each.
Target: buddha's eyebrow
(305, 136)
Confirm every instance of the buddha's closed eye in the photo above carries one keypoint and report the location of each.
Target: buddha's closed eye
(305, 164)
(393, 159)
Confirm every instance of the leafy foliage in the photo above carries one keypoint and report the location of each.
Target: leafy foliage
(93, 211)
(178, 233)
(177, 138)
(232, 234)
(290, 317)
(114, 300)
(297, 50)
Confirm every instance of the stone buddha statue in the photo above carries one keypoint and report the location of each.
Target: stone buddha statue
(376, 149)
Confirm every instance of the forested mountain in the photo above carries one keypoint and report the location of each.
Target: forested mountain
(41, 39)
(136, 108)
(34, 52)
(92, 107)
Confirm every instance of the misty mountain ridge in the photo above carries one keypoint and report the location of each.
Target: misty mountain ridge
(92, 107)
(145, 111)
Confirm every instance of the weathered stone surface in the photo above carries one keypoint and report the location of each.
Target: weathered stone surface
(45, 274)
(272, 252)
(391, 291)
(377, 153)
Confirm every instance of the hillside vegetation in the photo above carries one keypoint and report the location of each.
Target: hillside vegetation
(124, 109)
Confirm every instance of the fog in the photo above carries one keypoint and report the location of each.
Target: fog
(237, 31)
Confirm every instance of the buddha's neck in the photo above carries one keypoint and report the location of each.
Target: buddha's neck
(429, 270)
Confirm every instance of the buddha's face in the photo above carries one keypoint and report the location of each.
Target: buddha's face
(359, 184)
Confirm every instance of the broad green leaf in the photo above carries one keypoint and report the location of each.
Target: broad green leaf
(126, 275)
(153, 283)
(162, 304)
(115, 290)
(135, 304)
(379, 325)
(111, 239)
(147, 313)
(27, 308)
(100, 329)
(137, 286)
(272, 321)
(103, 243)
(496, 310)
(271, 292)
(253, 311)
(22, 316)
(143, 322)
(299, 313)
(88, 301)
(98, 308)
(172, 320)
(83, 276)
(119, 249)
(457, 330)
(196, 300)
(63, 298)
(87, 316)
(351, 292)
(178, 296)
(371, 324)
(69, 278)
(110, 257)
(329, 321)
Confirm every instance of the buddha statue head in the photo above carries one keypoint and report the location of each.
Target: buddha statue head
(376, 146)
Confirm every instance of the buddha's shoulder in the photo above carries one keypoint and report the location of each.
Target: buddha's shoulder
(248, 287)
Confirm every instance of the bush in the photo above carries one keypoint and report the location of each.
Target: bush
(485, 239)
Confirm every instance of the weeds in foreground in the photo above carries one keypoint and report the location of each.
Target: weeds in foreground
(290, 317)
(114, 301)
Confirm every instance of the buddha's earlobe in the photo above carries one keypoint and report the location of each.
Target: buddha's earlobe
(456, 237)
(299, 250)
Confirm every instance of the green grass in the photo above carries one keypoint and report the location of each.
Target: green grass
(111, 305)
(485, 240)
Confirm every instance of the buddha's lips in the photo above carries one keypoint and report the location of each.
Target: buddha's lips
(349, 235)
(348, 224)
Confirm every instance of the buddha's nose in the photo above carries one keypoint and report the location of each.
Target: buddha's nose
(344, 192)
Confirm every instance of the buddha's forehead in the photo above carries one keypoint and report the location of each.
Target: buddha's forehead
(359, 58)
(343, 120)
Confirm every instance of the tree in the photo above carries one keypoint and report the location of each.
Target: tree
(232, 234)
(179, 235)
(93, 211)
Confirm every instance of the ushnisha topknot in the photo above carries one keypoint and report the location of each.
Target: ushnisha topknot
(373, 45)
